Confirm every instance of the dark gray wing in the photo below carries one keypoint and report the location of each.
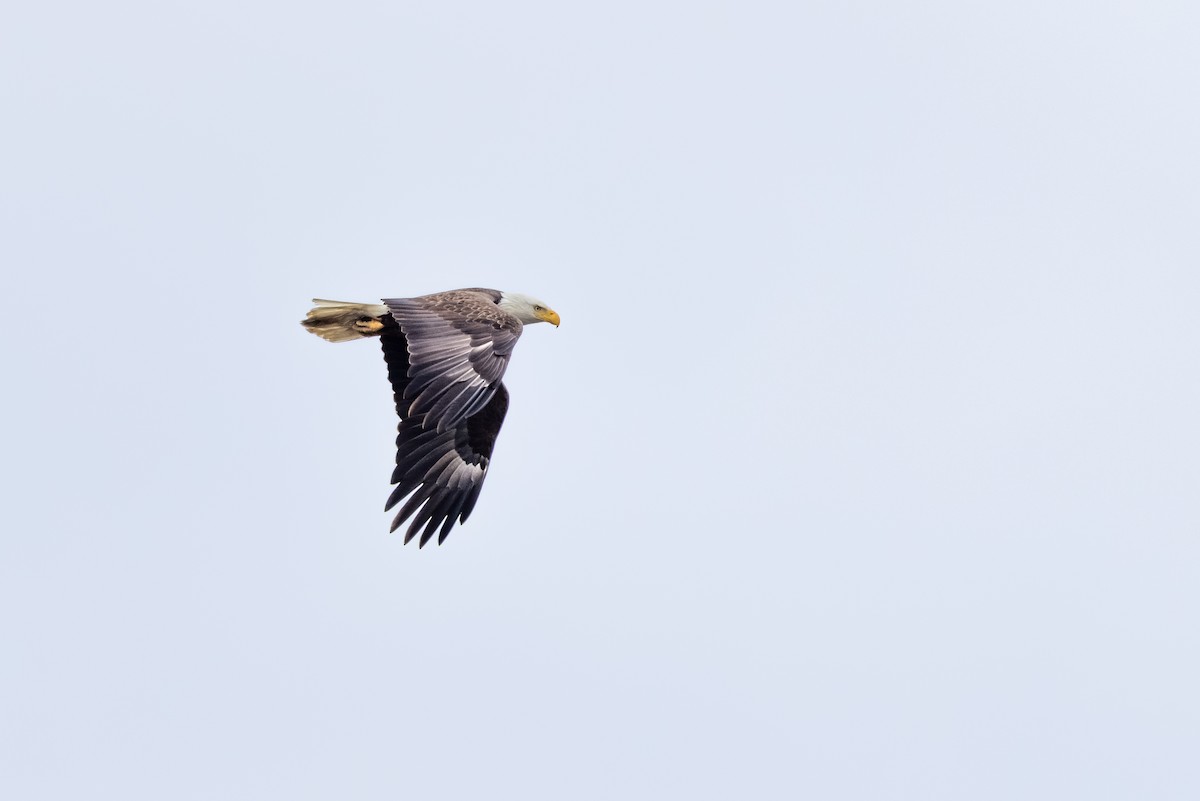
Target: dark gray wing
(443, 470)
(459, 344)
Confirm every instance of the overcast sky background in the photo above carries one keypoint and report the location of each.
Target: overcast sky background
(864, 464)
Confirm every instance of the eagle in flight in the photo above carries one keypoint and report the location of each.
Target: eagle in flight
(445, 355)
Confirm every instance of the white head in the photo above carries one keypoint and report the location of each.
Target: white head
(527, 309)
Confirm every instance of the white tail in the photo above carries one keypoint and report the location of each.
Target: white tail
(336, 321)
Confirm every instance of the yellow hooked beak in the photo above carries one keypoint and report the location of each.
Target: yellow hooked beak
(550, 316)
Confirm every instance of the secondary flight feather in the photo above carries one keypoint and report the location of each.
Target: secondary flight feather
(446, 354)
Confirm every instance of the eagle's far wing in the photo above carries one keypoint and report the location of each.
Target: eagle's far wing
(443, 470)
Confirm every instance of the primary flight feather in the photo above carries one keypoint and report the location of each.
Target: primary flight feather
(446, 354)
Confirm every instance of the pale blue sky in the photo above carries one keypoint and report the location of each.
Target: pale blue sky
(864, 465)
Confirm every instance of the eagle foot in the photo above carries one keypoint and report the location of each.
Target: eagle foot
(367, 326)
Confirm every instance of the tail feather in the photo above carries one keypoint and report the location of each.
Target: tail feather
(337, 321)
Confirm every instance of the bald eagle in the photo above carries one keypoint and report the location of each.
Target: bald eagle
(445, 355)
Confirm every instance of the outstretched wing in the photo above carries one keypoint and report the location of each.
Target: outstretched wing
(442, 467)
(459, 344)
